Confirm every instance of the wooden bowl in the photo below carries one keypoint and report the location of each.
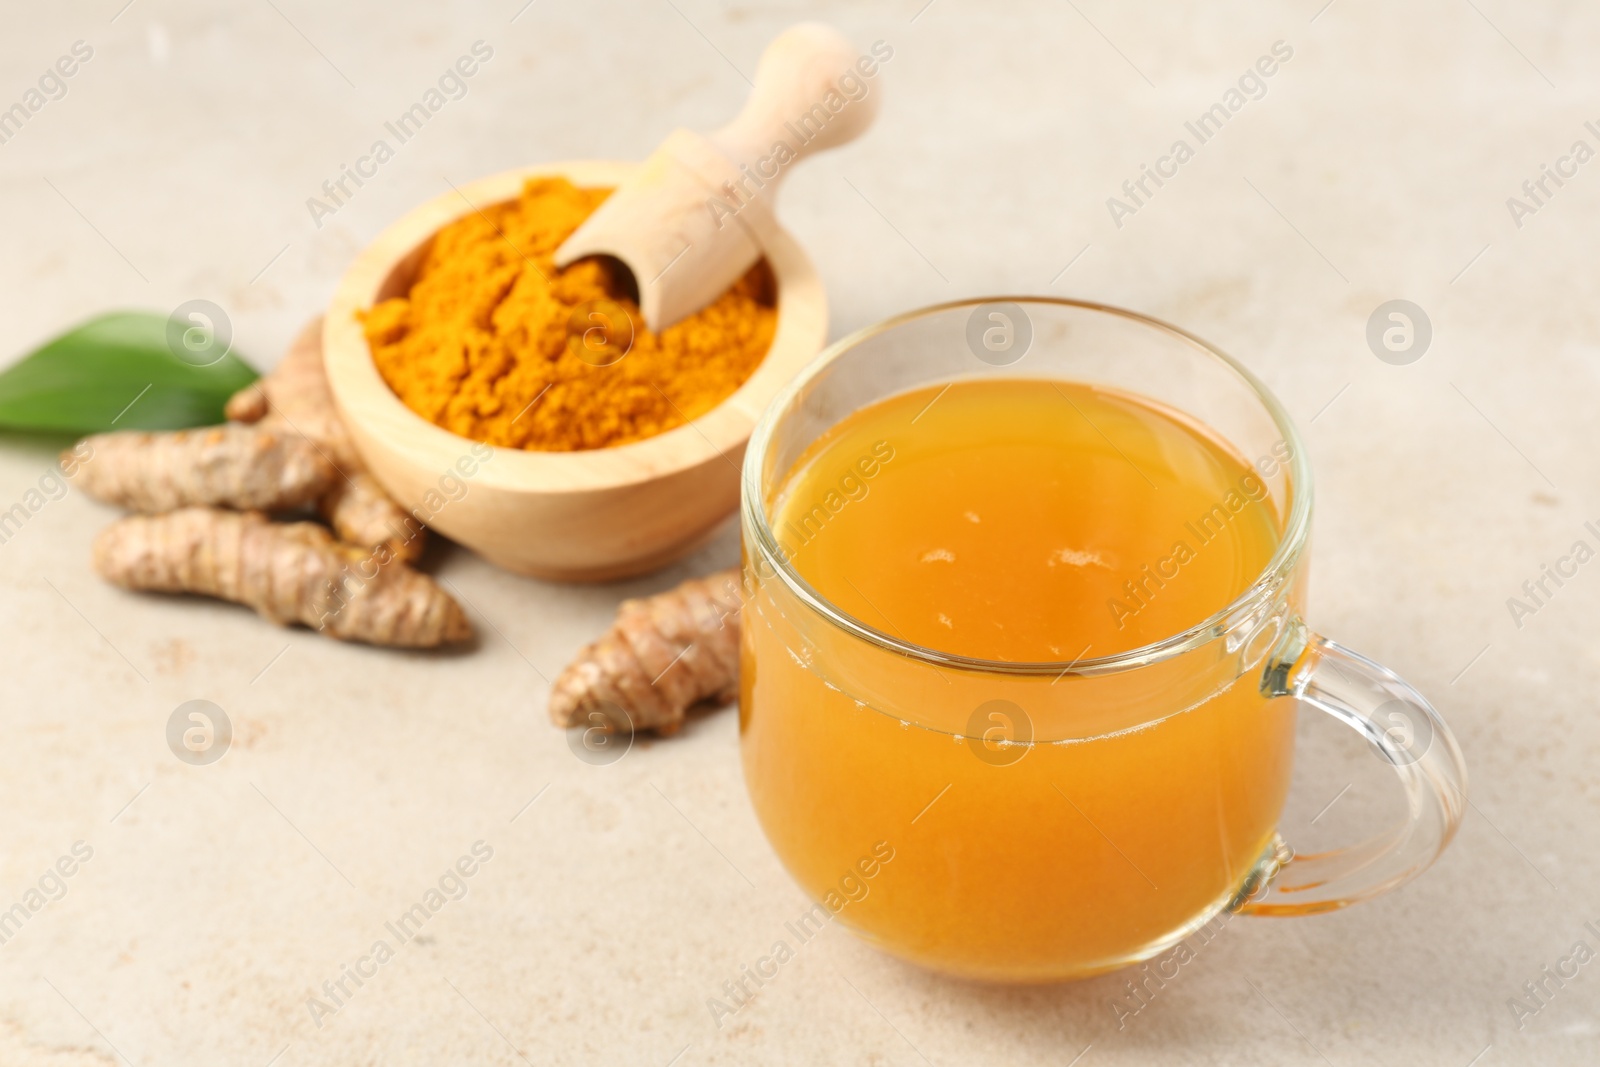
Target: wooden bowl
(576, 516)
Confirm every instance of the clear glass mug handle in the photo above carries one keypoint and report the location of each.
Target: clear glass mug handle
(1408, 733)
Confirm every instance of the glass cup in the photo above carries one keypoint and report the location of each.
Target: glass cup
(1046, 821)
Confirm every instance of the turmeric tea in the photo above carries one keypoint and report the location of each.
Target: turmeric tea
(495, 344)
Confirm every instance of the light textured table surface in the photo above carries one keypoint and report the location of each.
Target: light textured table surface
(1377, 166)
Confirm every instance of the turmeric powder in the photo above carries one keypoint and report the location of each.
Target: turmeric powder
(494, 344)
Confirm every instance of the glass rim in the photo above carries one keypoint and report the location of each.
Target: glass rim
(753, 509)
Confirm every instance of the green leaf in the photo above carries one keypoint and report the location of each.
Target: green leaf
(117, 372)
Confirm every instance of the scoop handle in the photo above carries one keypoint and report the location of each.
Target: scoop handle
(813, 90)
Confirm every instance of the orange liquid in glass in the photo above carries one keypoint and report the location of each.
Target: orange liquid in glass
(1016, 521)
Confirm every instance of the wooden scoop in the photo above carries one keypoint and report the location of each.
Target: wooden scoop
(696, 216)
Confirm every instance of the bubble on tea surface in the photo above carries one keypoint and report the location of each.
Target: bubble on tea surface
(999, 333)
(199, 732)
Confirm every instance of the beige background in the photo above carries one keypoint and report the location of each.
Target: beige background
(1377, 166)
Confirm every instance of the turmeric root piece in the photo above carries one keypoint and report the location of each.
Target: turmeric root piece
(664, 654)
(248, 404)
(288, 572)
(294, 395)
(361, 513)
(235, 466)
